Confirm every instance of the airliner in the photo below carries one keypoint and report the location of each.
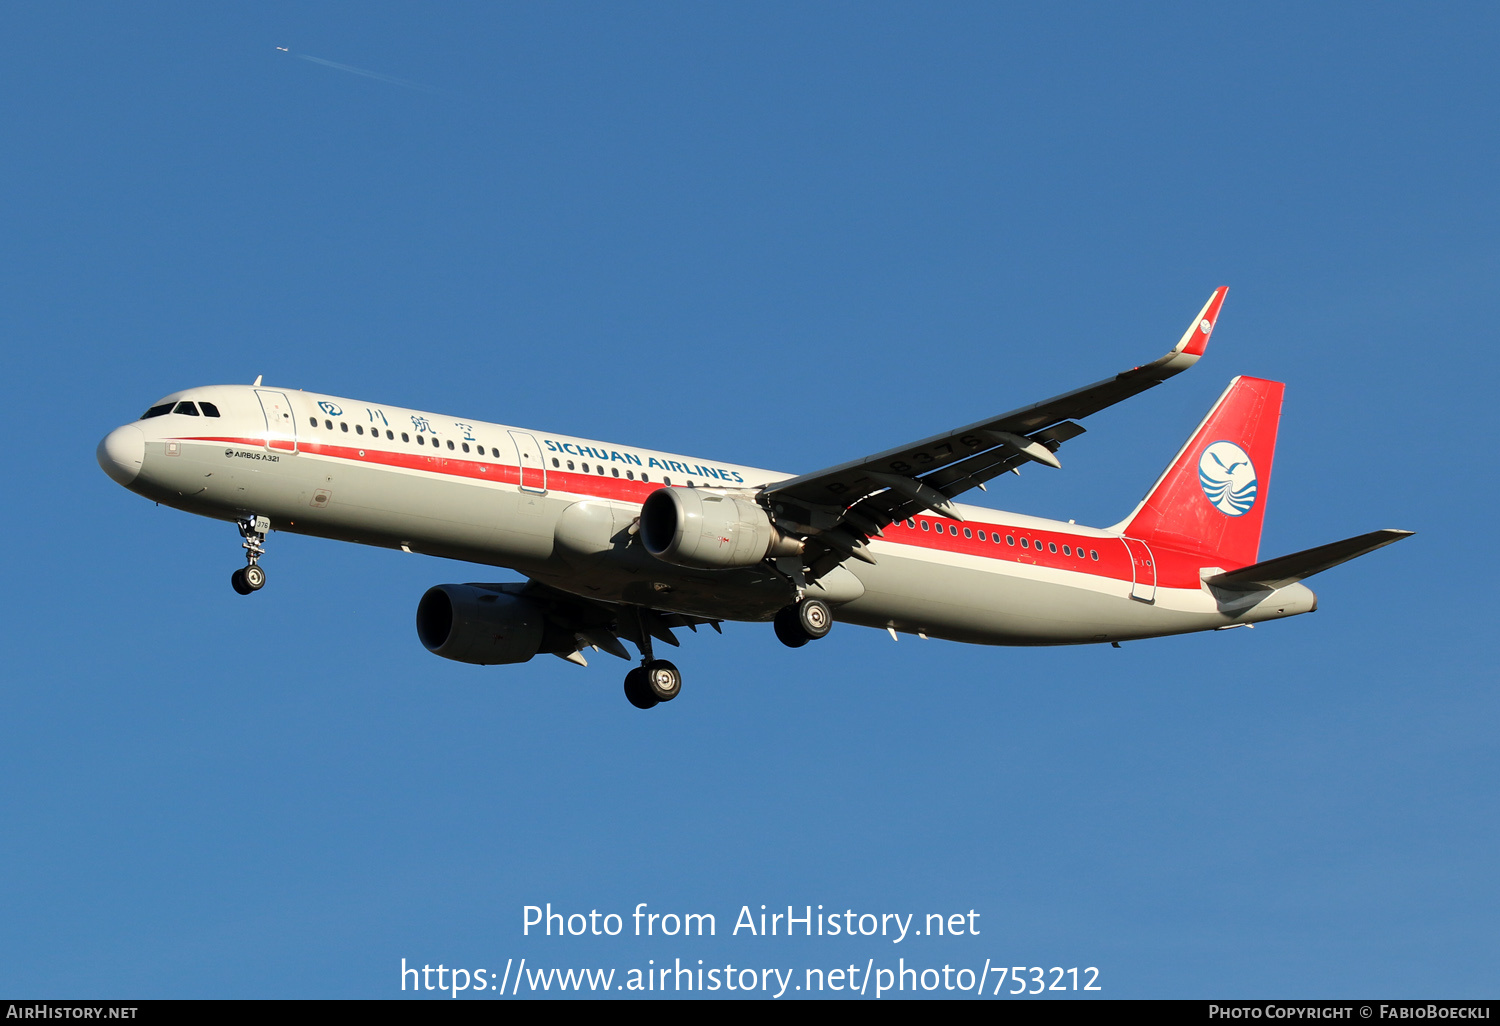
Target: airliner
(622, 543)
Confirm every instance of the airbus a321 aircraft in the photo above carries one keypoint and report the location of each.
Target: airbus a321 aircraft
(620, 542)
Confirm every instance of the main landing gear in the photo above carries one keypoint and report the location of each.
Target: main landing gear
(804, 621)
(652, 683)
(251, 577)
(655, 680)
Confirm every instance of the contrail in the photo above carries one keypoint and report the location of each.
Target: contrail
(393, 80)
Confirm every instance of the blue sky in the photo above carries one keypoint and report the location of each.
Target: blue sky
(784, 236)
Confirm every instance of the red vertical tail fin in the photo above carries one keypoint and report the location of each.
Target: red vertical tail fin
(1212, 499)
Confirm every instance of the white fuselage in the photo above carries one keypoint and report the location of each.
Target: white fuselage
(560, 510)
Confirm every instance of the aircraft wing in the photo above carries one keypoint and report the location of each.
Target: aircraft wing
(842, 506)
(600, 625)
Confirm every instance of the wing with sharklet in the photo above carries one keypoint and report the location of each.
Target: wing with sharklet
(839, 509)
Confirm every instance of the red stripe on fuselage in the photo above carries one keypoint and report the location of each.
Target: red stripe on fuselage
(1173, 569)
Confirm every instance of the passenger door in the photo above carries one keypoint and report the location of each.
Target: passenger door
(1144, 566)
(281, 426)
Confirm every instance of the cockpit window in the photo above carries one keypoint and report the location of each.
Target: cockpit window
(157, 411)
(187, 408)
(209, 409)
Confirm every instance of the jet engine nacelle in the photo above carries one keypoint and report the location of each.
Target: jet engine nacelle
(702, 529)
(473, 624)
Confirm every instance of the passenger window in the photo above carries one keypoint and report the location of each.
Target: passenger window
(924, 525)
(645, 477)
(313, 421)
(616, 470)
(359, 429)
(570, 464)
(1093, 554)
(1010, 539)
(186, 408)
(911, 524)
(981, 536)
(466, 447)
(953, 530)
(1025, 544)
(419, 440)
(630, 474)
(1066, 552)
(390, 434)
(1052, 546)
(328, 425)
(344, 426)
(968, 533)
(405, 437)
(450, 443)
(554, 460)
(667, 481)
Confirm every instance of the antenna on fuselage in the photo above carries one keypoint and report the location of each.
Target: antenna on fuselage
(257, 381)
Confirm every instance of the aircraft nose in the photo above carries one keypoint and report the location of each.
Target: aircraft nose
(122, 452)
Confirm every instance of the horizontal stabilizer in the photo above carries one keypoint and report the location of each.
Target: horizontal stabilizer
(1284, 570)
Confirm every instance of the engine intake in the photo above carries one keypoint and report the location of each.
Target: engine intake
(473, 624)
(705, 530)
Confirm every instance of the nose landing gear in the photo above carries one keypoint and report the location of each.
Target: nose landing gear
(807, 620)
(251, 578)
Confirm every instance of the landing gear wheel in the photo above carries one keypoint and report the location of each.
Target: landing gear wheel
(805, 621)
(637, 691)
(788, 630)
(254, 577)
(814, 617)
(663, 681)
(251, 577)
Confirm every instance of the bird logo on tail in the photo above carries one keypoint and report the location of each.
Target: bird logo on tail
(1228, 478)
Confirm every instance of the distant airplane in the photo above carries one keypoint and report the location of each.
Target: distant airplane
(620, 542)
